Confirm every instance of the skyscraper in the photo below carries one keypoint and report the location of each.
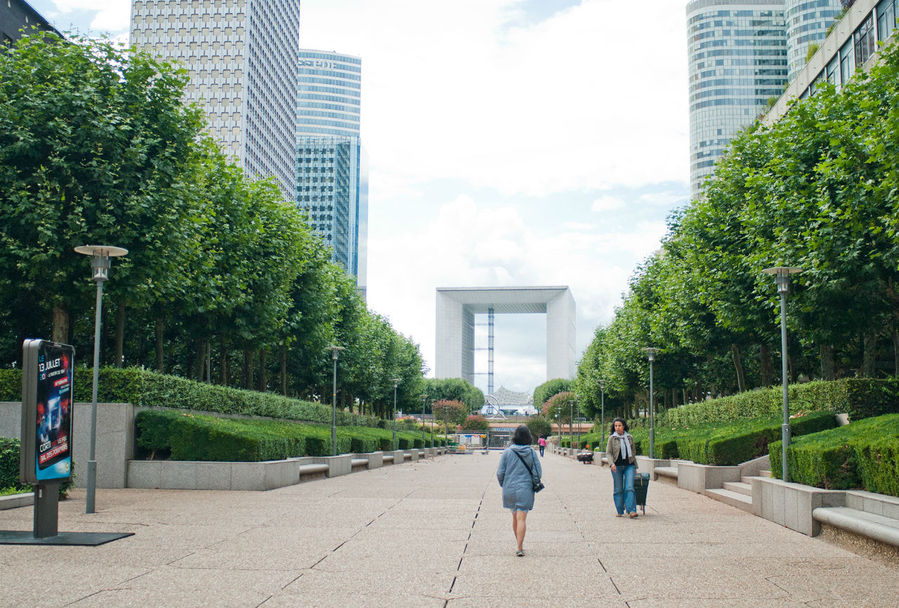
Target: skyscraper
(17, 14)
(242, 57)
(332, 176)
(807, 22)
(737, 61)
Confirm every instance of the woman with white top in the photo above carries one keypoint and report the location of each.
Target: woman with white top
(621, 453)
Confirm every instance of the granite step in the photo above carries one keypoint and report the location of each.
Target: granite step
(740, 487)
(734, 499)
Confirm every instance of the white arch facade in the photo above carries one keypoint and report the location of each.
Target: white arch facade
(457, 306)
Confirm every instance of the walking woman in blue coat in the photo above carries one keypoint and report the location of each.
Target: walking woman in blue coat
(517, 481)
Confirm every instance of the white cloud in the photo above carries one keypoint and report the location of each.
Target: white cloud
(574, 102)
(607, 203)
(467, 244)
(110, 16)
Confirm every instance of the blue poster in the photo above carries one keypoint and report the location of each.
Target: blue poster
(53, 445)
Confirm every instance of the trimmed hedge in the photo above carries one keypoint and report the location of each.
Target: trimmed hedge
(859, 397)
(863, 454)
(9, 463)
(150, 389)
(184, 435)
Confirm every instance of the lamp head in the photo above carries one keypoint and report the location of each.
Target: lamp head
(782, 277)
(335, 351)
(651, 353)
(100, 262)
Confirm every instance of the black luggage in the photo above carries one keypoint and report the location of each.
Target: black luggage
(641, 485)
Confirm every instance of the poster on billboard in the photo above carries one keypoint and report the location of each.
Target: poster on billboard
(47, 411)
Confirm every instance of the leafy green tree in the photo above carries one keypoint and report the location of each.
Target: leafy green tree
(539, 426)
(94, 148)
(550, 388)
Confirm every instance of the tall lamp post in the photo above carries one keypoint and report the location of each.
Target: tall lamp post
(559, 424)
(782, 279)
(424, 400)
(570, 422)
(578, 422)
(335, 353)
(396, 382)
(602, 420)
(100, 263)
(651, 355)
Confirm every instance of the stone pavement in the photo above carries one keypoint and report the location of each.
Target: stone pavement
(431, 533)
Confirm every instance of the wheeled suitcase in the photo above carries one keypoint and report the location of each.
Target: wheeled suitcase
(641, 485)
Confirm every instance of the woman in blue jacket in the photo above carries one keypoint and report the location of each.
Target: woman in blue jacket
(517, 481)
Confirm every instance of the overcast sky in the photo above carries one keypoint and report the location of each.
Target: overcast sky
(510, 142)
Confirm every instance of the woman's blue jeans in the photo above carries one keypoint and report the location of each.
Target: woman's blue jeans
(625, 499)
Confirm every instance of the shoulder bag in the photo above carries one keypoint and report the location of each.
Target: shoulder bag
(535, 481)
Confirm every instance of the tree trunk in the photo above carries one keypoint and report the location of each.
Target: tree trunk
(199, 360)
(160, 337)
(263, 379)
(60, 325)
(226, 362)
(120, 335)
(284, 370)
(247, 379)
(895, 352)
(828, 366)
(869, 355)
(767, 372)
(209, 361)
(738, 365)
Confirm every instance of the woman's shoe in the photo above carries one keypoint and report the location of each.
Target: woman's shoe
(520, 553)
(619, 515)
(632, 515)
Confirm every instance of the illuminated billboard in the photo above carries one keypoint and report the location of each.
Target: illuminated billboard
(47, 411)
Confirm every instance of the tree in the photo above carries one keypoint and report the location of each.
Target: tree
(475, 423)
(550, 388)
(95, 147)
(539, 426)
(450, 412)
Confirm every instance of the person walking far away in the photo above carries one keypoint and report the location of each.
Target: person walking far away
(542, 443)
(514, 475)
(621, 452)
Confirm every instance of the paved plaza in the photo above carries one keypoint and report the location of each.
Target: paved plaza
(431, 534)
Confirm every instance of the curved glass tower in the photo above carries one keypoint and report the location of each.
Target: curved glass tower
(737, 61)
(332, 179)
(807, 23)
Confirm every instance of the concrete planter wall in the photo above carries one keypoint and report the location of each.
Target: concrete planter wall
(116, 467)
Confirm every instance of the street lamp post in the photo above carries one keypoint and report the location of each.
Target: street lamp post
(424, 400)
(559, 424)
(100, 263)
(396, 382)
(335, 352)
(579, 422)
(570, 422)
(602, 420)
(651, 355)
(782, 279)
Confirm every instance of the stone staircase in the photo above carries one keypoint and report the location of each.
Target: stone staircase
(736, 493)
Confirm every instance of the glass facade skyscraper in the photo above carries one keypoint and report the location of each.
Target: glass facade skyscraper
(807, 22)
(242, 57)
(332, 173)
(737, 61)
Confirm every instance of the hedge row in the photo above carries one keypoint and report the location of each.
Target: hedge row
(863, 454)
(859, 397)
(150, 389)
(185, 435)
(723, 445)
(9, 470)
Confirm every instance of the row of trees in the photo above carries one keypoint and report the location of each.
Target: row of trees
(818, 190)
(224, 280)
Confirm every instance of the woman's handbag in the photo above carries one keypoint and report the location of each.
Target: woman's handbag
(537, 485)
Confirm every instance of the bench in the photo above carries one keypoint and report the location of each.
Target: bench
(359, 463)
(388, 459)
(313, 471)
(876, 527)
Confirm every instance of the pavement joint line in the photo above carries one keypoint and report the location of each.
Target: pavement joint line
(612, 580)
(264, 601)
(602, 565)
(85, 597)
(295, 579)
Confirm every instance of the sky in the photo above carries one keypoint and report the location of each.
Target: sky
(510, 143)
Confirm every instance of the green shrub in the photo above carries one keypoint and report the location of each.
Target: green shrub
(149, 389)
(9, 463)
(878, 465)
(844, 457)
(859, 397)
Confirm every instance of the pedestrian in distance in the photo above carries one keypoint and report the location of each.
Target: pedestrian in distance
(517, 468)
(542, 443)
(621, 453)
